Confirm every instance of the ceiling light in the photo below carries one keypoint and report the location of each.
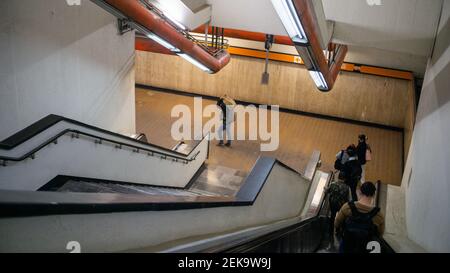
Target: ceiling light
(195, 62)
(319, 80)
(162, 42)
(288, 15)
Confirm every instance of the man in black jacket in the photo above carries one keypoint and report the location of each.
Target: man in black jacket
(352, 172)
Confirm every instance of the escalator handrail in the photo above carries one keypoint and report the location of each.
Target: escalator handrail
(262, 240)
(384, 245)
(303, 220)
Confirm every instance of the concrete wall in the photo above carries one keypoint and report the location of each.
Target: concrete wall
(426, 181)
(65, 60)
(282, 197)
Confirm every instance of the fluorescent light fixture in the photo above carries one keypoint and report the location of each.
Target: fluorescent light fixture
(288, 15)
(195, 62)
(162, 42)
(319, 80)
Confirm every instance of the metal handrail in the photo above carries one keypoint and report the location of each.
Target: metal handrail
(377, 199)
(98, 140)
(185, 33)
(208, 42)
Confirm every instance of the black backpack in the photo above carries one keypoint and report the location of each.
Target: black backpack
(359, 230)
(338, 163)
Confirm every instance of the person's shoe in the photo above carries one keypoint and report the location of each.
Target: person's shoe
(228, 144)
(220, 143)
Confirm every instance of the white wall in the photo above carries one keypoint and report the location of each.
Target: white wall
(427, 192)
(65, 60)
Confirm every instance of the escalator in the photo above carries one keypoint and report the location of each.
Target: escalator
(309, 236)
(275, 209)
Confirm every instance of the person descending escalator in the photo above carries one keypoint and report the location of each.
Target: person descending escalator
(364, 153)
(352, 172)
(338, 195)
(359, 223)
(342, 157)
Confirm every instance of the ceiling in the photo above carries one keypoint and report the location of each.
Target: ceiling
(250, 15)
(407, 26)
(396, 34)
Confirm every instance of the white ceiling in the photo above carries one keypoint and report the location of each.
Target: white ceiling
(394, 33)
(407, 26)
(250, 15)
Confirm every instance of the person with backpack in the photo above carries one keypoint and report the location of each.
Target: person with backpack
(364, 153)
(359, 222)
(352, 171)
(341, 158)
(338, 195)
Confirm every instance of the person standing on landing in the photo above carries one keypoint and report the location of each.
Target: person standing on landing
(364, 153)
(226, 104)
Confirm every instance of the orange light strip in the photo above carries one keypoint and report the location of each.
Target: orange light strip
(386, 72)
(348, 67)
(262, 55)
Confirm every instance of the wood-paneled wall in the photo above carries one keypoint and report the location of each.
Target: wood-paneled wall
(355, 96)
